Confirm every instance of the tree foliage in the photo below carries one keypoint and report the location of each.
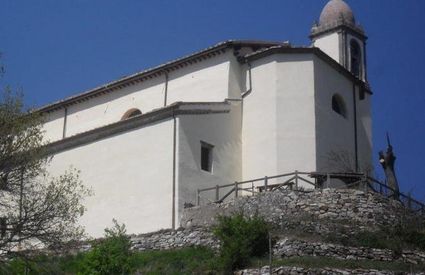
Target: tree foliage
(36, 210)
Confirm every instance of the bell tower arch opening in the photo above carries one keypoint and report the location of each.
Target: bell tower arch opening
(339, 35)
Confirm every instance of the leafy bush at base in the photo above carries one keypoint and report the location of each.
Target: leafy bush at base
(241, 238)
(111, 255)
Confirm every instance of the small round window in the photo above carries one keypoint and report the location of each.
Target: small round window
(131, 113)
(338, 105)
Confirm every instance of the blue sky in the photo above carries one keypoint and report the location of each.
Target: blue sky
(53, 49)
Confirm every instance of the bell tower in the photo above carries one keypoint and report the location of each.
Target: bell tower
(338, 35)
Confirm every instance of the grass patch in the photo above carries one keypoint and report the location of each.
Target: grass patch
(326, 262)
(192, 260)
(395, 239)
(195, 260)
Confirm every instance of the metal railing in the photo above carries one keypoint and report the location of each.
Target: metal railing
(306, 182)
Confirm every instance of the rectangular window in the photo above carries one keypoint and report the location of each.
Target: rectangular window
(206, 156)
(362, 94)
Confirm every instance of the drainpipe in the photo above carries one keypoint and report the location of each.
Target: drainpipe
(249, 81)
(173, 222)
(356, 154)
(166, 88)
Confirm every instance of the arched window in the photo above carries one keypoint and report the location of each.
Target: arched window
(338, 105)
(131, 113)
(355, 58)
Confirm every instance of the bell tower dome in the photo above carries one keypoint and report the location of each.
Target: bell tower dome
(338, 35)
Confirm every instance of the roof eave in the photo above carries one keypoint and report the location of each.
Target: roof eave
(309, 50)
(154, 72)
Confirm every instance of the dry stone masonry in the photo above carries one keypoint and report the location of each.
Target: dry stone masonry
(316, 212)
(345, 211)
(284, 270)
(286, 248)
(171, 239)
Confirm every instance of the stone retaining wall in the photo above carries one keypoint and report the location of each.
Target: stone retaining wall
(325, 271)
(345, 211)
(170, 239)
(284, 248)
(296, 248)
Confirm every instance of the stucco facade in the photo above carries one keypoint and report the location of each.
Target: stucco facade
(235, 111)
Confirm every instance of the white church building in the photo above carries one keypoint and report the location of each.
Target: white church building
(234, 111)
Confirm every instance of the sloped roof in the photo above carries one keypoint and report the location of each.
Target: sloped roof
(312, 50)
(263, 48)
(158, 70)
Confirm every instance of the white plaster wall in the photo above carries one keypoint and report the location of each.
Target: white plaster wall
(131, 176)
(53, 125)
(278, 122)
(364, 132)
(334, 133)
(201, 82)
(295, 118)
(329, 43)
(110, 108)
(237, 79)
(223, 131)
(259, 142)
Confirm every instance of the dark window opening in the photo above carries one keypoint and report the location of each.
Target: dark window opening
(355, 55)
(338, 105)
(362, 94)
(206, 157)
(131, 113)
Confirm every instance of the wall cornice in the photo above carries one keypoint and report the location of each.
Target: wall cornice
(178, 108)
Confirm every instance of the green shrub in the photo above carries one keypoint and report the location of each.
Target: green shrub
(189, 260)
(241, 238)
(109, 256)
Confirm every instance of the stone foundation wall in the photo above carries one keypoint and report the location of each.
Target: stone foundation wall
(345, 211)
(296, 248)
(171, 239)
(283, 270)
(284, 248)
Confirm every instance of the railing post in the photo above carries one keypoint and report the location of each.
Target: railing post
(217, 193)
(198, 197)
(409, 201)
(236, 189)
(296, 179)
(265, 183)
(252, 188)
(380, 189)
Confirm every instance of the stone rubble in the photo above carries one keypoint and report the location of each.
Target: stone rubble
(286, 248)
(336, 211)
(283, 270)
(320, 212)
(171, 239)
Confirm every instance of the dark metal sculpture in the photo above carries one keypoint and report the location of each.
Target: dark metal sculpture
(387, 161)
